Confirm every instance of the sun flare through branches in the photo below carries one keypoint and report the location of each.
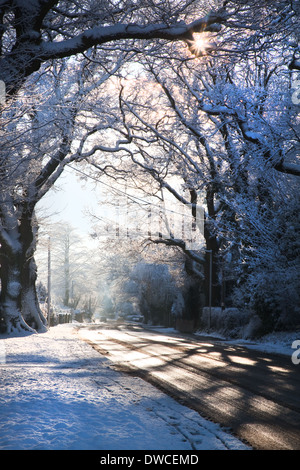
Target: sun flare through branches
(200, 44)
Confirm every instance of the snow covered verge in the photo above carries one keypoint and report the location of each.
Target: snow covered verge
(58, 393)
(233, 323)
(280, 342)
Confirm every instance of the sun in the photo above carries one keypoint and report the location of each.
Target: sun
(200, 44)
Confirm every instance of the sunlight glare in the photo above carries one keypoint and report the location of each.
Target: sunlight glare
(200, 44)
(242, 360)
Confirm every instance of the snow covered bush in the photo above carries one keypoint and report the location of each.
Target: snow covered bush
(270, 285)
(157, 292)
(230, 322)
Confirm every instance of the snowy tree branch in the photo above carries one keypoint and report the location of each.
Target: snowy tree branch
(31, 49)
(181, 244)
(254, 137)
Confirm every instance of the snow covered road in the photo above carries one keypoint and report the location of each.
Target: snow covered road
(253, 393)
(58, 393)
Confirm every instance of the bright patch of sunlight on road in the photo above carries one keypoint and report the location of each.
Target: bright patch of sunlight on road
(242, 360)
(278, 369)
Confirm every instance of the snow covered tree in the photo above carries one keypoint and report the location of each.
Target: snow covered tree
(18, 227)
(223, 128)
(32, 35)
(39, 31)
(157, 292)
(40, 126)
(36, 32)
(118, 293)
(71, 266)
(43, 121)
(268, 277)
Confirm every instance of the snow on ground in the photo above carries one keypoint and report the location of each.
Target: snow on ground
(277, 343)
(280, 342)
(58, 393)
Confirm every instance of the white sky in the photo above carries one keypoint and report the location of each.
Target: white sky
(74, 199)
(71, 201)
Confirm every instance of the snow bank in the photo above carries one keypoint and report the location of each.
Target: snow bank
(58, 393)
(280, 342)
(234, 325)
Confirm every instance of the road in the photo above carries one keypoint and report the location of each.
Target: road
(256, 395)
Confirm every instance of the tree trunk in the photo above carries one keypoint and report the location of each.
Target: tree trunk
(30, 307)
(19, 305)
(10, 299)
(31, 311)
(212, 246)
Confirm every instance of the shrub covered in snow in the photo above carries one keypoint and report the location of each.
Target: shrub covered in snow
(230, 322)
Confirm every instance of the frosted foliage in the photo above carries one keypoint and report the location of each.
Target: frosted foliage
(221, 122)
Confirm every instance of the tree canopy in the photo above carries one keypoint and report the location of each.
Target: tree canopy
(223, 76)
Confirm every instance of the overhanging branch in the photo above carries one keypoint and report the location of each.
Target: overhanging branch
(30, 51)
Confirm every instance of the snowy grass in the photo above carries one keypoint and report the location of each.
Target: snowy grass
(58, 393)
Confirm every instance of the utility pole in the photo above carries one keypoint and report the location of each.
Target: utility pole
(210, 285)
(49, 281)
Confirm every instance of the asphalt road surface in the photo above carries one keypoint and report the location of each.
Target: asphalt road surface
(256, 395)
